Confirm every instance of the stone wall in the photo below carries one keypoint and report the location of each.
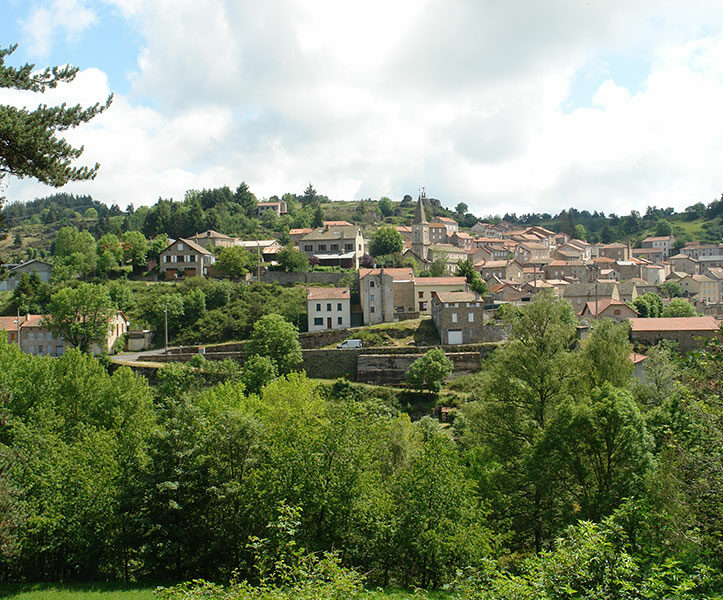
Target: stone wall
(494, 333)
(392, 368)
(284, 278)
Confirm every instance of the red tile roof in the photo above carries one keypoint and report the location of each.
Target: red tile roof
(675, 324)
(398, 274)
(320, 293)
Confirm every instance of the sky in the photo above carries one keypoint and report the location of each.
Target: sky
(515, 106)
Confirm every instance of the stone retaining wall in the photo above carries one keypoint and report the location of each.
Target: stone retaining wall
(283, 278)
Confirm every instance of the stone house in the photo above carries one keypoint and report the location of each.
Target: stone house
(452, 255)
(486, 230)
(664, 243)
(437, 232)
(572, 269)
(529, 251)
(617, 310)
(615, 251)
(627, 269)
(716, 273)
(185, 258)
(16, 270)
(385, 294)
(328, 308)
(682, 263)
(213, 239)
(654, 255)
(579, 294)
(458, 317)
(462, 239)
(334, 246)
(628, 291)
(278, 207)
(34, 337)
(653, 274)
(701, 287)
(689, 332)
(505, 270)
(425, 287)
(451, 225)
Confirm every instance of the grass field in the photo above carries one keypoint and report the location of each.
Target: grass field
(106, 591)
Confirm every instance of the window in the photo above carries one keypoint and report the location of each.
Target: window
(165, 258)
(31, 336)
(40, 349)
(180, 246)
(318, 306)
(338, 306)
(349, 247)
(421, 294)
(371, 284)
(371, 297)
(322, 247)
(454, 317)
(328, 307)
(318, 320)
(334, 246)
(308, 248)
(470, 317)
(191, 258)
(371, 310)
(338, 321)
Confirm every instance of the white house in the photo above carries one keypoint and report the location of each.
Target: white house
(328, 308)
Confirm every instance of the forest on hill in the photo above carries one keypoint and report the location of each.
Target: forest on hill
(562, 475)
(31, 226)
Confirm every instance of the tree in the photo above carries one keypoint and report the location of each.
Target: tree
(318, 218)
(605, 355)
(275, 337)
(580, 232)
(81, 315)
(663, 228)
(246, 199)
(310, 196)
(438, 268)
(461, 209)
(292, 260)
(135, 248)
(671, 289)
(679, 307)
(385, 206)
(649, 306)
(430, 371)
(258, 372)
(466, 269)
(235, 261)
(386, 240)
(29, 144)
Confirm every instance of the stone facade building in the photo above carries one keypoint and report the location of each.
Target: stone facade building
(185, 258)
(458, 317)
(689, 332)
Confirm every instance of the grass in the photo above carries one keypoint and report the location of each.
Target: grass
(84, 591)
(108, 591)
(421, 331)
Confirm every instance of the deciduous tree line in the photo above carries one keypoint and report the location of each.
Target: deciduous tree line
(105, 476)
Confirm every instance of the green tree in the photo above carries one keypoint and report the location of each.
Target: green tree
(679, 307)
(663, 228)
(605, 355)
(461, 208)
(235, 261)
(385, 206)
(438, 268)
(430, 371)
(274, 337)
(386, 240)
(81, 315)
(580, 233)
(91, 214)
(246, 199)
(75, 251)
(158, 245)
(29, 144)
(317, 219)
(671, 289)
(292, 260)
(466, 269)
(649, 306)
(310, 196)
(258, 371)
(135, 248)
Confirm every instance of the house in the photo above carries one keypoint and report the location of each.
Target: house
(185, 258)
(486, 230)
(689, 332)
(607, 308)
(716, 273)
(337, 224)
(639, 361)
(425, 287)
(278, 207)
(654, 255)
(628, 269)
(505, 292)
(341, 246)
(571, 269)
(450, 224)
(615, 251)
(529, 251)
(701, 287)
(628, 290)
(213, 239)
(438, 232)
(16, 270)
(33, 337)
(328, 308)
(458, 317)
(451, 255)
(405, 231)
(507, 270)
(385, 294)
(653, 274)
(138, 340)
(664, 243)
(462, 239)
(295, 234)
(579, 294)
(682, 263)
(697, 250)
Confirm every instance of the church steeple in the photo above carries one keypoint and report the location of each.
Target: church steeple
(420, 230)
(419, 216)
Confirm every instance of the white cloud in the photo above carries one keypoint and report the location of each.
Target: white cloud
(464, 98)
(69, 17)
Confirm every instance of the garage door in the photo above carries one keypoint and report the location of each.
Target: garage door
(454, 337)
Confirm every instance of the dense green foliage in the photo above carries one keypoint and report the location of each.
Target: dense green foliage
(561, 476)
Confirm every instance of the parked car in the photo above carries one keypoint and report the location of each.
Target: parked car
(350, 344)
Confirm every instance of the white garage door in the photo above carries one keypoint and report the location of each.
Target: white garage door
(454, 337)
